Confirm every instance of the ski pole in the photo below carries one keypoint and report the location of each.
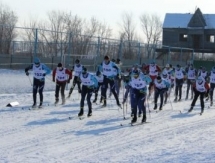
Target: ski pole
(148, 107)
(30, 81)
(170, 103)
(123, 104)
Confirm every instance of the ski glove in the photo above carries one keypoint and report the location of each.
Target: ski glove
(44, 74)
(27, 73)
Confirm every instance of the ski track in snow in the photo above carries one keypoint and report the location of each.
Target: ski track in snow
(47, 135)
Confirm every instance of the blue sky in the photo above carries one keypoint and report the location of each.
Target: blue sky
(109, 11)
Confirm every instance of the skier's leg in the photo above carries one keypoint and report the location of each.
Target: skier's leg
(112, 86)
(63, 86)
(41, 87)
(89, 95)
(57, 89)
(202, 101)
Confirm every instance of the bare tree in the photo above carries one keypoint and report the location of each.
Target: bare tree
(29, 34)
(55, 37)
(127, 34)
(152, 29)
(8, 20)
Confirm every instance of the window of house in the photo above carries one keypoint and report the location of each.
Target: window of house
(183, 37)
(210, 38)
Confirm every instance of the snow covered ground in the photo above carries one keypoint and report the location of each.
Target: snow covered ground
(48, 136)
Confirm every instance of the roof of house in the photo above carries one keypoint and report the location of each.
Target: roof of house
(177, 20)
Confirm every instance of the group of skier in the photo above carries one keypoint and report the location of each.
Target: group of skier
(136, 82)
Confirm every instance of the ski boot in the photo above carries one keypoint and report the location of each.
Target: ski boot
(56, 101)
(34, 105)
(191, 108)
(41, 105)
(155, 107)
(118, 104)
(89, 113)
(134, 120)
(101, 99)
(211, 104)
(140, 114)
(94, 101)
(176, 99)
(105, 104)
(160, 108)
(179, 99)
(81, 113)
(63, 101)
(202, 111)
(144, 118)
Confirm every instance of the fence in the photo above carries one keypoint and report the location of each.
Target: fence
(52, 47)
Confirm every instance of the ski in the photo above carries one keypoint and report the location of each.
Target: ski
(137, 124)
(200, 113)
(77, 117)
(134, 124)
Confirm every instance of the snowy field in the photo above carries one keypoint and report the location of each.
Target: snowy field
(48, 136)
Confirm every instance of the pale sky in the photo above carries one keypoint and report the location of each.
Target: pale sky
(109, 11)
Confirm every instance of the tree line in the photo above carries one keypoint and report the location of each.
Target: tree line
(65, 33)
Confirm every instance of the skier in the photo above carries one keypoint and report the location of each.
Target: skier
(167, 78)
(179, 80)
(63, 76)
(212, 85)
(108, 68)
(205, 75)
(153, 71)
(161, 87)
(100, 78)
(199, 88)
(89, 85)
(40, 71)
(138, 85)
(126, 80)
(118, 78)
(77, 68)
(191, 76)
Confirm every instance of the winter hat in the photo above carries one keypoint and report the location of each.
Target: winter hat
(159, 79)
(84, 70)
(135, 73)
(106, 57)
(36, 60)
(59, 65)
(77, 61)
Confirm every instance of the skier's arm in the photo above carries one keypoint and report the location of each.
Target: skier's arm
(47, 70)
(93, 78)
(207, 86)
(30, 67)
(99, 68)
(53, 75)
(147, 79)
(68, 72)
(167, 84)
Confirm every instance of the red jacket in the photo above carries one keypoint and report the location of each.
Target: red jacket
(67, 71)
